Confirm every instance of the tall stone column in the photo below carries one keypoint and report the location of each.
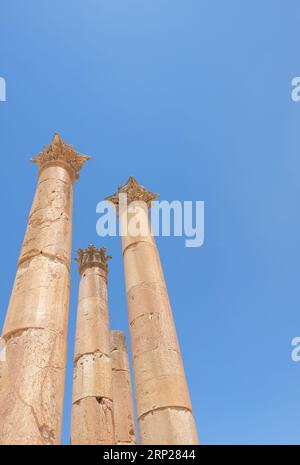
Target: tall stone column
(92, 409)
(35, 329)
(122, 393)
(163, 401)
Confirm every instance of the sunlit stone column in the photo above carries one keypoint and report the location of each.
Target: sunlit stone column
(35, 329)
(122, 393)
(92, 409)
(163, 401)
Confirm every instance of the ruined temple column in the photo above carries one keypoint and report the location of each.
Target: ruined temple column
(122, 393)
(92, 409)
(35, 329)
(163, 402)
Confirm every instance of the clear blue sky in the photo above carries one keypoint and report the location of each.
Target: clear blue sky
(193, 98)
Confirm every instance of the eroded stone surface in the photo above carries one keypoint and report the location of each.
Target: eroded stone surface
(3, 378)
(163, 402)
(31, 407)
(50, 219)
(40, 296)
(122, 392)
(35, 328)
(161, 381)
(172, 426)
(151, 330)
(140, 265)
(92, 409)
(92, 377)
(158, 370)
(95, 417)
(92, 313)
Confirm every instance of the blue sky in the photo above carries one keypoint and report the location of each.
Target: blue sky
(193, 99)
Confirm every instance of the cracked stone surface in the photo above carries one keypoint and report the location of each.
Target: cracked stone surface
(92, 312)
(3, 378)
(168, 426)
(95, 418)
(40, 296)
(50, 219)
(122, 392)
(163, 402)
(92, 409)
(161, 381)
(31, 407)
(36, 323)
(92, 377)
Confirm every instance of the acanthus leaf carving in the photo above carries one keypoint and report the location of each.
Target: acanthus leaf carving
(60, 152)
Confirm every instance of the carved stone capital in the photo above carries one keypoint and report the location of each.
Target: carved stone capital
(61, 154)
(134, 191)
(91, 256)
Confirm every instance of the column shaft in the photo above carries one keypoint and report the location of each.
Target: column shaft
(92, 409)
(122, 392)
(163, 401)
(35, 328)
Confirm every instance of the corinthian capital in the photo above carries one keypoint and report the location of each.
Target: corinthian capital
(91, 256)
(134, 191)
(59, 153)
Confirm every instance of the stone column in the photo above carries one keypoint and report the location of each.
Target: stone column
(92, 409)
(122, 393)
(163, 402)
(35, 329)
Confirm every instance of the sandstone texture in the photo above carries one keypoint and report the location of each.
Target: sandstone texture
(92, 409)
(163, 402)
(35, 329)
(122, 392)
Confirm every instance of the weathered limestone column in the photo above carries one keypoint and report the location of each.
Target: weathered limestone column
(163, 401)
(122, 393)
(35, 329)
(92, 409)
